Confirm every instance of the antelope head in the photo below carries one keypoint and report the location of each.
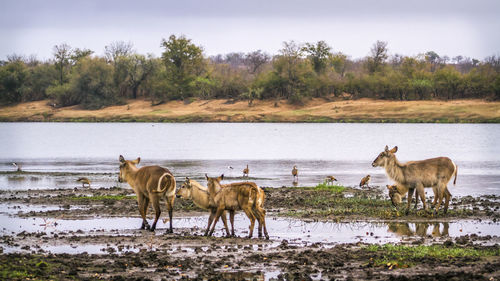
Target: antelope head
(126, 166)
(394, 195)
(384, 156)
(214, 183)
(185, 190)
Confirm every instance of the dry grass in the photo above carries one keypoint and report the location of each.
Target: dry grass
(315, 110)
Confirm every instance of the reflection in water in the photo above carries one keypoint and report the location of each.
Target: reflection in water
(419, 229)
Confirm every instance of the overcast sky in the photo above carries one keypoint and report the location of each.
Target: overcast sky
(449, 27)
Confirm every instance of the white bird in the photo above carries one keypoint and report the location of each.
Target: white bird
(230, 168)
(18, 166)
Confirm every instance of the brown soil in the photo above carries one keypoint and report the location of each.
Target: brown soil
(315, 110)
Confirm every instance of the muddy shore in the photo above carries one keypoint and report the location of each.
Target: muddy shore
(46, 245)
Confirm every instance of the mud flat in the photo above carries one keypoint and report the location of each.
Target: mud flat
(316, 234)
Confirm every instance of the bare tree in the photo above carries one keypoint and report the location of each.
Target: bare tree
(378, 56)
(118, 49)
(255, 60)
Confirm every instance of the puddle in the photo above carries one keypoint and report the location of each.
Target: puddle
(294, 230)
(17, 209)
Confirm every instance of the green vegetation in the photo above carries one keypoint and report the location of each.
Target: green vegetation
(299, 71)
(332, 188)
(394, 256)
(102, 197)
(13, 267)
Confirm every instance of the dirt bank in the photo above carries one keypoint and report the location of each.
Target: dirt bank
(315, 110)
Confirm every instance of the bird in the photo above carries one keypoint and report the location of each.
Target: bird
(84, 181)
(330, 179)
(364, 181)
(18, 166)
(230, 167)
(295, 173)
(246, 171)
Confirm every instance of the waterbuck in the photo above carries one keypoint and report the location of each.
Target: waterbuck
(417, 175)
(246, 196)
(397, 192)
(196, 192)
(149, 183)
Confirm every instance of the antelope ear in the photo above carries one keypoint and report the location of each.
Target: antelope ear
(121, 159)
(394, 149)
(221, 177)
(206, 176)
(136, 161)
(388, 186)
(187, 180)
(386, 148)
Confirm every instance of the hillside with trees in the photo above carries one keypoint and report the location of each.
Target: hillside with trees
(297, 73)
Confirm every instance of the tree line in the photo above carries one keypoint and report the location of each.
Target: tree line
(76, 76)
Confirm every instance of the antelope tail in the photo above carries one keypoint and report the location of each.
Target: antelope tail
(455, 172)
(159, 189)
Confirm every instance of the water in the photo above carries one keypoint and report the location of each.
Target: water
(54, 155)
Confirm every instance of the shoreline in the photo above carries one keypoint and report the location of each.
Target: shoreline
(264, 111)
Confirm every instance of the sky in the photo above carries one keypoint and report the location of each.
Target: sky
(447, 27)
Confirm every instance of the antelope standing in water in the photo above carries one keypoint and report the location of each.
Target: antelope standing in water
(193, 190)
(246, 171)
(365, 181)
(149, 183)
(246, 196)
(417, 175)
(295, 174)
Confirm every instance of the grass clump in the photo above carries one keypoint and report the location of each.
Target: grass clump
(102, 197)
(395, 256)
(332, 188)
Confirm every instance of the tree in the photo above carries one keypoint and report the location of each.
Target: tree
(62, 57)
(318, 55)
(255, 60)
(433, 59)
(117, 50)
(139, 69)
(118, 53)
(378, 56)
(183, 62)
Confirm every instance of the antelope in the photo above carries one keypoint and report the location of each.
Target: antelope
(246, 196)
(194, 191)
(149, 183)
(295, 174)
(364, 181)
(397, 192)
(416, 175)
(245, 171)
(84, 181)
(330, 179)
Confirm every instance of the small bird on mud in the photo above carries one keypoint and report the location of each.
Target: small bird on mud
(84, 181)
(364, 181)
(295, 174)
(246, 171)
(18, 166)
(330, 179)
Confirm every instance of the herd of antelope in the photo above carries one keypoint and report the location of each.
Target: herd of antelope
(151, 183)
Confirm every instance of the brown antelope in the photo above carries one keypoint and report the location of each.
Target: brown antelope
(397, 192)
(330, 179)
(245, 171)
(416, 175)
(194, 191)
(365, 181)
(84, 181)
(295, 174)
(149, 183)
(246, 196)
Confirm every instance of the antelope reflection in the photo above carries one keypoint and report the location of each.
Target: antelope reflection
(419, 229)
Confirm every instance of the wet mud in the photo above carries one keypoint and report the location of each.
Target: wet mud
(92, 233)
